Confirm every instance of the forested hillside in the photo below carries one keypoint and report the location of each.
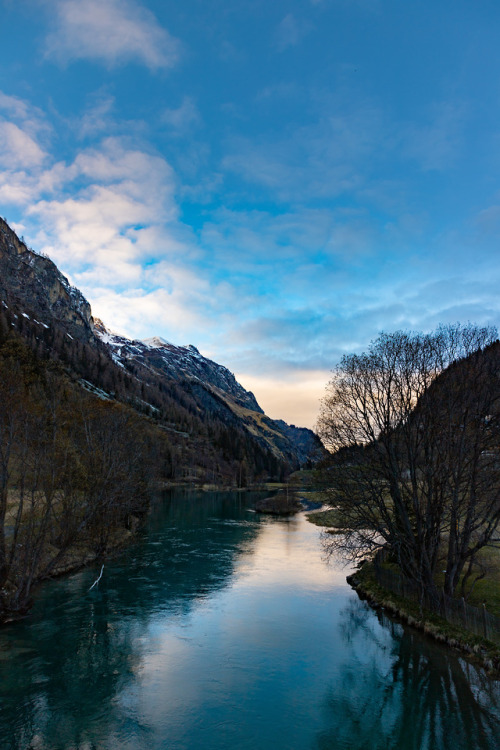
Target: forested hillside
(217, 431)
(92, 423)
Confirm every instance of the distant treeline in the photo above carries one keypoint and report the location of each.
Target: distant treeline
(205, 442)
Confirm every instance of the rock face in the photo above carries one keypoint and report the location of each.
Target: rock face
(177, 362)
(38, 295)
(34, 282)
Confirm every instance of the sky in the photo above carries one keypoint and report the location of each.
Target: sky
(275, 183)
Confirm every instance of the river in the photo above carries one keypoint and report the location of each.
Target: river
(222, 629)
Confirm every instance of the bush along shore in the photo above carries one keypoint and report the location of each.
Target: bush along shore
(474, 647)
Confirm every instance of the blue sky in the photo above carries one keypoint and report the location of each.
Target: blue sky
(275, 183)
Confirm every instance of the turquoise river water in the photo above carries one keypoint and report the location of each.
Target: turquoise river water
(224, 629)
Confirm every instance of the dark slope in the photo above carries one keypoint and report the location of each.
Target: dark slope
(217, 430)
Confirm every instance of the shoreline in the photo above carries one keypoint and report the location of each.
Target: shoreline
(123, 539)
(71, 566)
(471, 646)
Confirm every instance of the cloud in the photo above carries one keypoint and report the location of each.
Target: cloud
(20, 109)
(288, 32)
(97, 117)
(111, 32)
(24, 134)
(348, 147)
(17, 148)
(23, 188)
(327, 157)
(122, 193)
(183, 118)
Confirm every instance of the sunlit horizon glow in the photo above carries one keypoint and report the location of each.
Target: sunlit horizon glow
(273, 183)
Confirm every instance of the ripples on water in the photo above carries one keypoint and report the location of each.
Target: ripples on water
(224, 629)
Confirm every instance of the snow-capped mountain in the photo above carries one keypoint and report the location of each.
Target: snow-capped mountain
(175, 385)
(178, 362)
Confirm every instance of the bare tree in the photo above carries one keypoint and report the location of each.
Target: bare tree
(74, 470)
(413, 424)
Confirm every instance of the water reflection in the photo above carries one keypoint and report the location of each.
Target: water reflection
(61, 670)
(223, 630)
(403, 691)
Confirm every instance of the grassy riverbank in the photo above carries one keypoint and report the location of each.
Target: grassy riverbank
(476, 648)
(486, 590)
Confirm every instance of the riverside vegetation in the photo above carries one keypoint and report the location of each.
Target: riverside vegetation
(415, 433)
(75, 474)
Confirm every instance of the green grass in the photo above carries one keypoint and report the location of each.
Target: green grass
(328, 519)
(431, 623)
(485, 590)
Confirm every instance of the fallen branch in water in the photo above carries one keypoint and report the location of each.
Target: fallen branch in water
(97, 580)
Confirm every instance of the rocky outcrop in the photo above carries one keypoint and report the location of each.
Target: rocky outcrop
(34, 284)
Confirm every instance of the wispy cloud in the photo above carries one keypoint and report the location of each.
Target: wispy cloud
(111, 32)
(327, 157)
(97, 117)
(182, 119)
(19, 109)
(290, 31)
(17, 148)
(23, 154)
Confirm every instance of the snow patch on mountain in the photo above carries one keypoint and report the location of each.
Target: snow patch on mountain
(179, 362)
(156, 342)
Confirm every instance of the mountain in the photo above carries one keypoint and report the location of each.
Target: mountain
(177, 362)
(216, 428)
(33, 281)
(310, 450)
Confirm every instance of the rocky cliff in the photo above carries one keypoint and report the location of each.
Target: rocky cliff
(33, 281)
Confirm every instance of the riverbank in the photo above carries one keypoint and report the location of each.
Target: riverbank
(366, 585)
(473, 647)
(77, 557)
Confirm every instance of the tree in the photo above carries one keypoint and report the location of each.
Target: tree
(75, 472)
(414, 427)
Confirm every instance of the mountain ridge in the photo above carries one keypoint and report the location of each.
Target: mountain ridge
(57, 320)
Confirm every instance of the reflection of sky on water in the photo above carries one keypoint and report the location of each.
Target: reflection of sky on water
(226, 630)
(243, 659)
